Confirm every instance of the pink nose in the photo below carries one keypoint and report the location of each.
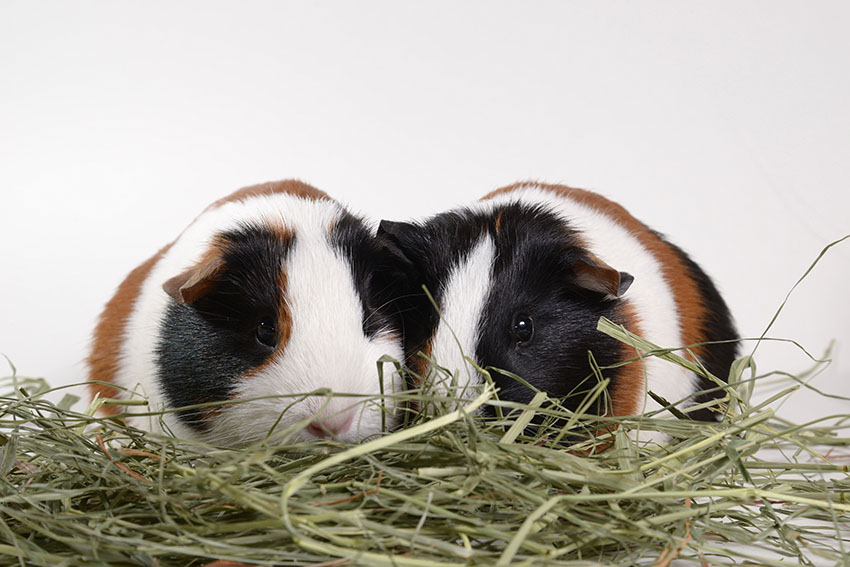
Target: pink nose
(331, 426)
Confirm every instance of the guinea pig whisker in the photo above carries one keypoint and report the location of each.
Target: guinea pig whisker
(379, 312)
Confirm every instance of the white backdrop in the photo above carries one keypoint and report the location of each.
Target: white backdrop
(724, 125)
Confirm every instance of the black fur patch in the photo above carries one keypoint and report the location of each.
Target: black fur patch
(355, 242)
(205, 347)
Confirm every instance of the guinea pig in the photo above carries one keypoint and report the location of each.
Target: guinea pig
(265, 297)
(520, 280)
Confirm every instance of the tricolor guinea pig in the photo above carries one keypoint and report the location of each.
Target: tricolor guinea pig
(521, 279)
(266, 297)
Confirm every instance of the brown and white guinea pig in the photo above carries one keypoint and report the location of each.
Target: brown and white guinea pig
(266, 295)
(521, 279)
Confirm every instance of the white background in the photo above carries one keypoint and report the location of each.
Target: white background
(725, 125)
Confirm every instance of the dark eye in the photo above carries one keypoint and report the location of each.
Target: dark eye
(267, 332)
(523, 328)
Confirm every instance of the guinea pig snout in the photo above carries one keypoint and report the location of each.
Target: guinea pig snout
(331, 426)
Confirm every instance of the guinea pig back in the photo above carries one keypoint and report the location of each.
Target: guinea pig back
(521, 279)
(263, 299)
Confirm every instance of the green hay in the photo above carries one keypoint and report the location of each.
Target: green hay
(446, 490)
(537, 485)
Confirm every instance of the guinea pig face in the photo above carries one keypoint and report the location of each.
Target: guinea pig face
(516, 291)
(274, 308)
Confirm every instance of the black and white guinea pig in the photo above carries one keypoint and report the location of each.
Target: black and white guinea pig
(521, 279)
(266, 295)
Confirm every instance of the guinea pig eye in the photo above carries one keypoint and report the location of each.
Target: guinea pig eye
(267, 332)
(523, 328)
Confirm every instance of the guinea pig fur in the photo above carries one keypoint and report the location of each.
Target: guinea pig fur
(267, 295)
(521, 279)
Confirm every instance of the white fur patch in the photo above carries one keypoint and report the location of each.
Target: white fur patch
(456, 337)
(327, 347)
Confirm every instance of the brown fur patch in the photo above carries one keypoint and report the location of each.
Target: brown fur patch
(686, 295)
(420, 364)
(498, 222)
(110, 331)
(288, 186)
(284, 316)
(212, 411)
(629, 389)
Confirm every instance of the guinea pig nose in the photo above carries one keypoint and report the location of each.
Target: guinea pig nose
(331, 426)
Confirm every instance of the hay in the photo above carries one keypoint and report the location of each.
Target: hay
(448, 489)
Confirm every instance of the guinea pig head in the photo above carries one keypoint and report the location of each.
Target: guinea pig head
(277, 326)
(515, 290)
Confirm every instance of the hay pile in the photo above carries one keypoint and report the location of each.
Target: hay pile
(450, 490)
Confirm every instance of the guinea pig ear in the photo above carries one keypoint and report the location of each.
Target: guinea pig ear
(395, 239)
(595, 275)
(197, 281)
